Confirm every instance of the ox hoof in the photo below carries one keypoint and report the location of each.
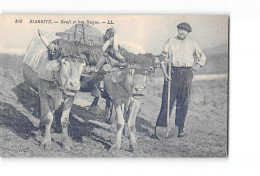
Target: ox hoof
(46, 143)
(114, 149)
(67, 144)
(135, 150)
(109, 121)
(41, 132)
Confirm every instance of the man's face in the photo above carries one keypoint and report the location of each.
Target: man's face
(182, 33)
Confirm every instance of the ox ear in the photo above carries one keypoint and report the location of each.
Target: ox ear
(53, 65)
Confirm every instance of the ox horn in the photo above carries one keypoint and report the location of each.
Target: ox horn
(43, 39)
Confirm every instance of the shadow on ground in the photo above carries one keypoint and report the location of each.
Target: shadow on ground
(16, 121)
(28, 98)
(143, 126)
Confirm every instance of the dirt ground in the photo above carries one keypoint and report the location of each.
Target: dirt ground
(206, 124)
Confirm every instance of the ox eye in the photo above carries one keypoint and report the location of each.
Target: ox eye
(65, 64)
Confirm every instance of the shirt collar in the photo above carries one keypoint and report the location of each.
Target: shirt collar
(183, 41)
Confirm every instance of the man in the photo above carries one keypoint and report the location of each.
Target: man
(112, 57)
(186, 57)
(110, 46)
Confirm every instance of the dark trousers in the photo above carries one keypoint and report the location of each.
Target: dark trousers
(181, 82)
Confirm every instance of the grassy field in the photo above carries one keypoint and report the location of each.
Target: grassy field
(206, 123)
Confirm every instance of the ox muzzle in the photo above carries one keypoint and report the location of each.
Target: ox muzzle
(138, 92)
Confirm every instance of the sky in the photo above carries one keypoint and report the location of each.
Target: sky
(137, 33)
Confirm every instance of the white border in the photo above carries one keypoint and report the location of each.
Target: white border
(244, 120)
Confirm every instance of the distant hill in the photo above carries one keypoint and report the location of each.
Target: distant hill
(217, 60)
(11, 60)
(218, 49)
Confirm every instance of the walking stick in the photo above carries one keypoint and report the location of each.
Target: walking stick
(168, 100)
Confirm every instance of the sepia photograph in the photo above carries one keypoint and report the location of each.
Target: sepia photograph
(114, 86)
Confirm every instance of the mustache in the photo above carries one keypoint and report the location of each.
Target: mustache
(182, 35)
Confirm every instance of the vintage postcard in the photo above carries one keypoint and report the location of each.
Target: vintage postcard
(146, 86)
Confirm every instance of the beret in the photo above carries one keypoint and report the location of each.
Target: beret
(184, 26)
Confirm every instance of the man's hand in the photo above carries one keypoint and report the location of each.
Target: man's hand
(195, 67)
(167, 77)
(156, 60)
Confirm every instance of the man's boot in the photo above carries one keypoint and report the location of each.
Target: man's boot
(181, 133)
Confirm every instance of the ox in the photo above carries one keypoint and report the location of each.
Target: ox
(125, 90)
(56, 81)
